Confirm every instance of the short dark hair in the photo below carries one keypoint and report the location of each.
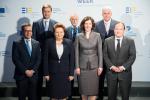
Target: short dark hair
(86, 19)
(59, 25)
(121, 23)
(25, 25)
(46, 6)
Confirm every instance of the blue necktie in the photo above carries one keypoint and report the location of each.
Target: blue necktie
(74, 34)
(28, 47)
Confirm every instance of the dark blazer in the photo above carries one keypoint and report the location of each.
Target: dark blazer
(69, 32)
(100, 28)
(38, 31)
(23, 61)
(126, 57)
(52, 64)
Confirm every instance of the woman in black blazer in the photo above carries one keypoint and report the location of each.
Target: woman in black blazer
(59, 64)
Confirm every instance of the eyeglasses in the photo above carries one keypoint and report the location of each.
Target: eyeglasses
(27, 30)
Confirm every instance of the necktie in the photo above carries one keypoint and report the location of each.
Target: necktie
(118, 47)
(118, 52)
(28, 47)
(74, 33)
(46, 25)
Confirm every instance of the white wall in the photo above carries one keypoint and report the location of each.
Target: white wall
(134, 13)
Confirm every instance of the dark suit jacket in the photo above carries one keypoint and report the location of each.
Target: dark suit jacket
(38, 31)
(52, 64)
(100, 28)
(126, 57)
(23, 61)
(69, 32)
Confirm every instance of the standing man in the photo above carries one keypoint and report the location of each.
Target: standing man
(119, 55)
(26, 56)
(71, 33)
(42, 30)
(74, 29)
(106, 29)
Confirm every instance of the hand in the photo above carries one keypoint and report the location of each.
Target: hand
(121, 68)
(77, 71)
(115, 69)
(47, 78)
(29, 73)
(71, 78)
(99, 71)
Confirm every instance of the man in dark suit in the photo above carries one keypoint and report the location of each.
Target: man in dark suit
(106, 29)
(42, 30)
(74, 29)
(119, 55)
(26, 56)
(71, 33)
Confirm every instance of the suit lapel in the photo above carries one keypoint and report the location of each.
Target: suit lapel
(64, 47)
(41, 24)
(33, 47)
(123, 44)
(55, 49)
(103, 28)
(113, 45)
(24, 47)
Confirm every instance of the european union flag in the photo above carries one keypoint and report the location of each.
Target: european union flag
(2, 10)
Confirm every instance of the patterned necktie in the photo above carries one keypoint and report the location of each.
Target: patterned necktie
(74, 34)
(28, 47)
(46, 25)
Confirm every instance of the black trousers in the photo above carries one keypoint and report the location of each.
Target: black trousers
(27, 88)
(124, 85)
(101, 84)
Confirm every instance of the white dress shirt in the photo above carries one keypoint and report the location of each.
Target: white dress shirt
(107, 25)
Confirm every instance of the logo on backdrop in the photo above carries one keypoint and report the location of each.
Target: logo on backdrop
(26, 10)
(85, 1)
(3, 11)
(134, 10)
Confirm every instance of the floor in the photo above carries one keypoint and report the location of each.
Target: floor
(76, 98)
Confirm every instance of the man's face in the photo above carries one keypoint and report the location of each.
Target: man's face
(46, 13)
(74, 20)
(119, 30)
(27, 32)
(106, 13)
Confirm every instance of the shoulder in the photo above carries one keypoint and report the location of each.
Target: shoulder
(96, 34)
(68, 28)
(99, 22)
(114, 21)
(37, 21)
(50, 40)
(17, 42)
(53, 21)
(128, 39)
(110, 39)
(67, 41)
(35, 41)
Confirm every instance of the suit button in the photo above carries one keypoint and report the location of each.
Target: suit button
(58, 61)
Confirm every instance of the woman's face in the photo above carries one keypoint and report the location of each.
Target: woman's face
(88, 26)
(59, 33)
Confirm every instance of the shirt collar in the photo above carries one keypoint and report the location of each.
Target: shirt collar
(118, 38)
(46, 20)
(27, 39)
(108, 22)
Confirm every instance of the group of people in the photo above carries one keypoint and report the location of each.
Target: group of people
(91, 50)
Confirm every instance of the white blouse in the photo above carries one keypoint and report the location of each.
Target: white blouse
(60, 50)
